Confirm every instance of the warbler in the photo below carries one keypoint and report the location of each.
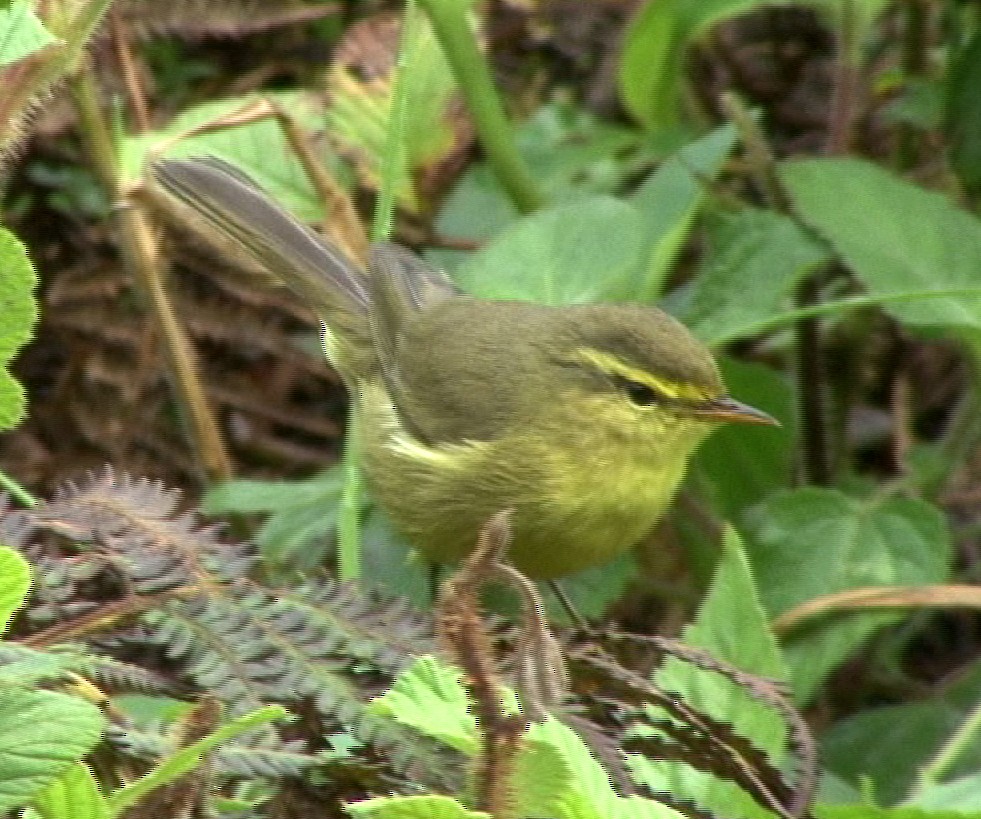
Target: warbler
(581, 419)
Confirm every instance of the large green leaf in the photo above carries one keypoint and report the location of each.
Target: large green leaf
(906, 245)
(757, 259)
(811, 542)
(42, 734)
(18, 315)
(733, 626)
(21, 32)
(566, 254)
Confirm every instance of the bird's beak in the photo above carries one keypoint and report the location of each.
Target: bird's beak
(729, 410)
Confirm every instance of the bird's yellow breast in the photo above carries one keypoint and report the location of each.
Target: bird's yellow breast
(578, 497)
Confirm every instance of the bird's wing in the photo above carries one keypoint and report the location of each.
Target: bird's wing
(402, 285)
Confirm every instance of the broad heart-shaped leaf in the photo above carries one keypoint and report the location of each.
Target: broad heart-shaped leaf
(733, 626)
(810, 542)
(18, 315)
(21, 32)
(15, 581)
(668, 201)
(73, 795)
(757, 259)
(412, 807)
(905, 244)
(567, 254)
(42, 734)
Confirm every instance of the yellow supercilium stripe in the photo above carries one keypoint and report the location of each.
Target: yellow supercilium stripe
(611, 365)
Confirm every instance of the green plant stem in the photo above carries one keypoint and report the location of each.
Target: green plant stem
(23, 497)
(961, 741)
(915, 47)
(349, 514)
(393, 159)
(473, 74)
(830, 308)
(143, 261)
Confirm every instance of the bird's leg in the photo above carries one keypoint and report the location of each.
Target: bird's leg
(577, 619)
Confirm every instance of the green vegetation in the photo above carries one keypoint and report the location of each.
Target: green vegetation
(798, 183)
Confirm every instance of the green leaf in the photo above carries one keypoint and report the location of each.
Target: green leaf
(21, 32)
(566, 254)
(73, 795)
(810, 542)
(557, 776)
(668, 201)
(412, 807)
(874, 812)
(651, 68)
(888, 745)
(757, 260)
(18, 315)
(961, 795)
(740, 464)
(732, 625)
(42, 734)
(15, 582)
(574, 154)
(189, 757)
(302, 515)
(963, 114)
(258, 148)
(901, 241)
(429, 697)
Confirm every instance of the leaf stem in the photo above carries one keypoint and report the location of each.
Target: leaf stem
(473, 74)
(23, 497)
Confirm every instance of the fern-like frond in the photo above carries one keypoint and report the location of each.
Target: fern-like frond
(139, 570)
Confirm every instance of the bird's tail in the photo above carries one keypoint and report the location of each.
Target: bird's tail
(247, 219)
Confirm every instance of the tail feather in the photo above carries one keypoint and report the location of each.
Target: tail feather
(241, 212)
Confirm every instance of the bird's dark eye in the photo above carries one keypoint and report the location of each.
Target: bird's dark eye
(640, 394)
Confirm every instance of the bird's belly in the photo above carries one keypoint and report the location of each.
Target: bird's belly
(566, 517)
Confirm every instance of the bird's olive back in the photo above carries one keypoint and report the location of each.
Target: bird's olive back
(473, 369)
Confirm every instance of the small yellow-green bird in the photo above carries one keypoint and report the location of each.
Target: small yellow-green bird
(580, 419)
